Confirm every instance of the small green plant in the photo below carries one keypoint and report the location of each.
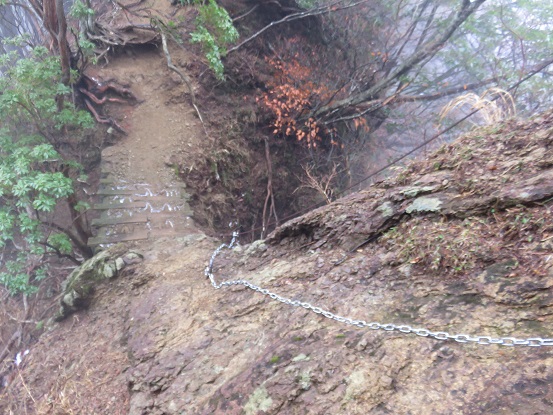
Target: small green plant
(88, 48)
(85, 14)
(274, 360)
(307, 4)
(81, 10)
(214, 31)
(61, 243)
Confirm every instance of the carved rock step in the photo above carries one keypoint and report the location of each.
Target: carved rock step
(113, 239)
(140, 211)
(115, 220)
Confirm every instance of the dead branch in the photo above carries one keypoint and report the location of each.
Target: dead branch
(234, 19)
(185, 78)
(446, 92)
(103, 55)
(15, 337)
(270, 194)
(424, 54)
(297, 16)
(322, 185)
(105, 40)
(60, 254)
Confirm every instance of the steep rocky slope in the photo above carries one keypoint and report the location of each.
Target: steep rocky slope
(461, 242)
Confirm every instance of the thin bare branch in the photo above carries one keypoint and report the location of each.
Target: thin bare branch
(297, 16)
(185, 78)
(426, 52)
(234, 19)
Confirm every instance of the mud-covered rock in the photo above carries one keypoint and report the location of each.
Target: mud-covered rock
(79, 286)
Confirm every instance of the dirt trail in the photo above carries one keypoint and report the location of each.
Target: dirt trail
(138, 177)
(136, 169)
(163, 124)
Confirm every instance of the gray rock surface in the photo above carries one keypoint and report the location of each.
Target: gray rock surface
(164, 341)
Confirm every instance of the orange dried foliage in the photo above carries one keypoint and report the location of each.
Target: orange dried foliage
(302, 81)
(292, 93)
(361, 123)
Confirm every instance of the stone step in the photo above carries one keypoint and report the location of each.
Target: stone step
(137, 211)
(167, 226)
(115, 192)
(126, 219)
(158, 200)
(169, 232)
(125, 205)
(114, 239)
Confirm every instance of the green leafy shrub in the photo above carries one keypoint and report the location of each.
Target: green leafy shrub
(34, 177)
(214, 31)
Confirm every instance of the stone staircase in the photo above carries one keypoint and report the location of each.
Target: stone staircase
(138, 211)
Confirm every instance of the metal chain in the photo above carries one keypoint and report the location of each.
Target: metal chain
(438, 335)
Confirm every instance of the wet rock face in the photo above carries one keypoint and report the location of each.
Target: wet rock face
(447, 248)
(481, 172)
(234, 351)
(480, 266)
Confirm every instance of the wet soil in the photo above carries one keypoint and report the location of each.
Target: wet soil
(164, 124)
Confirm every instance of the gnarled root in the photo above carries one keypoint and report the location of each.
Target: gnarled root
(94, 94)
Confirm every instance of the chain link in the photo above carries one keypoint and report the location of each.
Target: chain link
(438, 335)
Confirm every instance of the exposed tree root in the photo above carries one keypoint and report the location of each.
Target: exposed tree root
(91, 89)
(102, 88)
(100, 101)
(104, 120)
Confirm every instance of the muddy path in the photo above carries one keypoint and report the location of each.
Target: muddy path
(140, 196)
(163, 124)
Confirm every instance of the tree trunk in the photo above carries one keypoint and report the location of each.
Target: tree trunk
(79, 224)
(50, 20)
(62, 43)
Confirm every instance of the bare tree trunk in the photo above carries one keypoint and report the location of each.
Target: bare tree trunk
(50, 20)
(62, 42)
(56, 24)
(81, 245)
(79, 225)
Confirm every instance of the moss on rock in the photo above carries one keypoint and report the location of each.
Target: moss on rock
(79, 286)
